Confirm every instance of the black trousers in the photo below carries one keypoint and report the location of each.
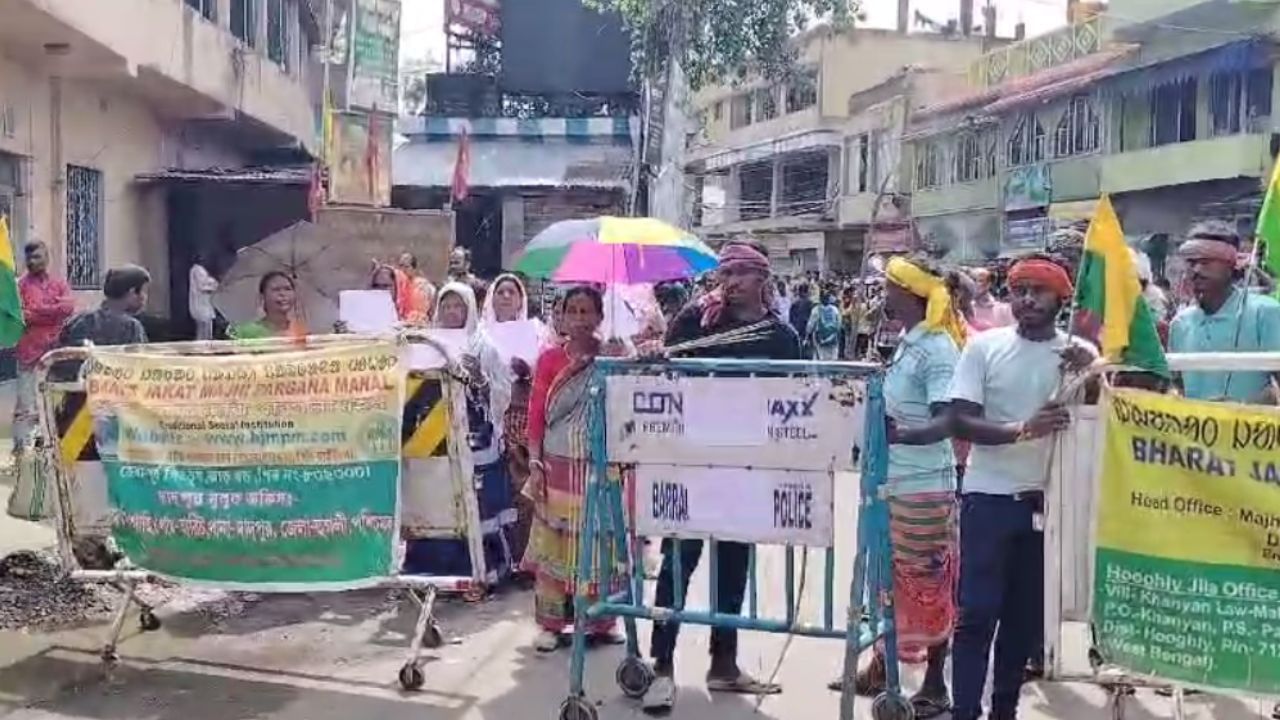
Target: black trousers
(734, 561)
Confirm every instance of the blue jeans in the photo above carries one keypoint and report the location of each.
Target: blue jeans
(1001, 590)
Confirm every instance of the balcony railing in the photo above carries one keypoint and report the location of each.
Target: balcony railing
(1037, 53)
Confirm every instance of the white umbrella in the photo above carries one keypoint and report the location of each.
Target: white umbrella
(321, 264)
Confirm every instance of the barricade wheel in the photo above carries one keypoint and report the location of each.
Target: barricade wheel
(148, 622)
(576, 708)
(892, 706)
(634, 676)
(411, 677)
(434, 637)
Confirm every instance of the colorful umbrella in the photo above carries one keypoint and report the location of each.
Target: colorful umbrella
(615, 251)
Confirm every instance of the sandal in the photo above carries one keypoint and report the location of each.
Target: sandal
(929, 706)
(743, 684)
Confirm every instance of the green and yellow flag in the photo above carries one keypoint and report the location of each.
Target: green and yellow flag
(11, 323)
(1269, 224)
(1109, 296)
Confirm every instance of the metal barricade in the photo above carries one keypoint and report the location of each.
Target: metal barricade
(836, 408)
(436, 494)
(1071, 510)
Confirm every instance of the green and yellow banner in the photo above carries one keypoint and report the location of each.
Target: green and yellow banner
(270, 471)
(1187, 577)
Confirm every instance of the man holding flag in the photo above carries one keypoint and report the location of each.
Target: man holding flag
(1226, 317)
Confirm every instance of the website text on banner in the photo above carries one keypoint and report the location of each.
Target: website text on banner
(277, 471)
(1187, 581)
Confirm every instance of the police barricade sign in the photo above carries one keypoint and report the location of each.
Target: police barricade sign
(276, 471)
(749, 459)
(1187, 573)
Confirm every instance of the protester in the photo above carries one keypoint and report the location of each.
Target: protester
(1226, 317)
(801, 310)
(988, 312)
(740, 301)
(46, 304)
(411, 305)
(408, 264)
(114, 322)
(460, 266)
(279, 298)
(560, 465)
(488, 391)
(921, 481)
(822, 332)
(201, 287)
(1004, 402)
(509, 302)
(782, 300)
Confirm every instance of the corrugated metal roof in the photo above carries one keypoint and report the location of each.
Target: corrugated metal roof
(986, 97)
(258, 175)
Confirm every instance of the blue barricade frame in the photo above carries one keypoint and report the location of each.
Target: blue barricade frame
(870, 615)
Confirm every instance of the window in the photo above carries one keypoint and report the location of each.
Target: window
(1026, 144)
(1238, 100)
(928, 159)
(804, 183)
(766, 104)
(802, 90)
(278, 32)
(1077, 131)
(244, 21)
(207, 8)
(864, 163)
(717, 110)
(755, 191)
(84, 227)
(1173, 112)
(739, 111)
(970, 158)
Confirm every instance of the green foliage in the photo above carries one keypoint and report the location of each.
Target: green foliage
(723, 40)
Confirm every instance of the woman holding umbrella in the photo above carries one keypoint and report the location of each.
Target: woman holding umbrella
(601, 252)
(278, 295)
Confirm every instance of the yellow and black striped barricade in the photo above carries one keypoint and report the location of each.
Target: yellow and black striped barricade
(435, 496)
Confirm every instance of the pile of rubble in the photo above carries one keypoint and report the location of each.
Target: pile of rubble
(35, 594)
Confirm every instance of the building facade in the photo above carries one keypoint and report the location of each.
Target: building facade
(1170, 113)
(101, 101)
(807, 164)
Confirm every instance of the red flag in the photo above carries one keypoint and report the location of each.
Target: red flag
(462, 168)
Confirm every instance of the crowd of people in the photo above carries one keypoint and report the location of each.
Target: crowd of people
(975, 370)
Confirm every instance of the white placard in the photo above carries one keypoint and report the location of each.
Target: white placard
(809, 423)
(771, 507)
(367, 311)
(424, 356)
(516, 339)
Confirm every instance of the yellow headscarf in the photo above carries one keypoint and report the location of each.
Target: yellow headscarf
(940, 313)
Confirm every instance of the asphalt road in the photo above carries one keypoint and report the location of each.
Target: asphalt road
(336, 656)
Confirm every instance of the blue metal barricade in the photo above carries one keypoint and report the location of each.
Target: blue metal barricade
(610, 556)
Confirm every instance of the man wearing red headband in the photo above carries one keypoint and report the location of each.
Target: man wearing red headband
(1225, 318)
(1002, 402)
(743, 298)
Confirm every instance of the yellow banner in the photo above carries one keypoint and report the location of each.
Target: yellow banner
(1191, 481)
(319, 406)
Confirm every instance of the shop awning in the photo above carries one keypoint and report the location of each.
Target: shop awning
(798, 142)
(516, 163)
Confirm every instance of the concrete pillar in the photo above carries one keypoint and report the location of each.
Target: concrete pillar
(776, 198)
(733, 195)
(904, 16)
(223, 14)
(512, 229)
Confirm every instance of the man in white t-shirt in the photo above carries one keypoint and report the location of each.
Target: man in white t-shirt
(1003, 402)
